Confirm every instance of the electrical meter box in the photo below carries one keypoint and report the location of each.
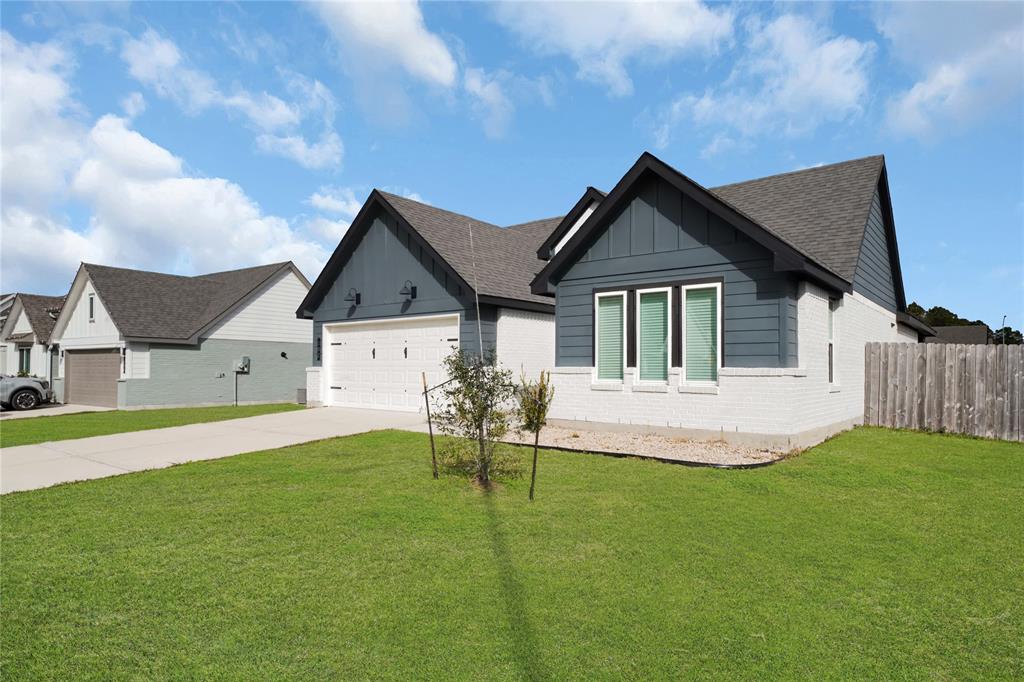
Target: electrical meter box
(242, 367)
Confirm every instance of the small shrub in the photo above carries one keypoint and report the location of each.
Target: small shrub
(476, 407)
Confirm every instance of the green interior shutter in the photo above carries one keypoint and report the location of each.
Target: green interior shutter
(653, 337)
(609, 337)
(701, 334)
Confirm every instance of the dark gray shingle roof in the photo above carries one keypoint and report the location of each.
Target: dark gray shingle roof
(967, 333)
(506, 257)
(157, 305)
(38, 309)
(821, 211)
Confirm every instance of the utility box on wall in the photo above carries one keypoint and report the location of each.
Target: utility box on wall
(242, 366)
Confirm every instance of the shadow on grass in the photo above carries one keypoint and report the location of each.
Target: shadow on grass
(524, 639)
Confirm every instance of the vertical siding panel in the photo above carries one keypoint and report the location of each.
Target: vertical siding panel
(642, 220)
(695, 224)
(667, 218)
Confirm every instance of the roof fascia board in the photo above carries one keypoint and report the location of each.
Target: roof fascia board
(617, 197)
(74, 293)
(890, 236)
(590, 196)
(917, 325)
(503, 302)
(360, 225)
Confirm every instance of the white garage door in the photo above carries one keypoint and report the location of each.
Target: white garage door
(379, 364)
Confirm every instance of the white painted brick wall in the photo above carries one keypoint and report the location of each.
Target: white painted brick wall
(313, 387)
(526, 342)
(765, 401)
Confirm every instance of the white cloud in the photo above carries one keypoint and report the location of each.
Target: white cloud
(375, 35)
(325, 152)
(133, 104)
(41, 134)
(602, 38)
(341, 200)
(157, 62)
(490, 102)
(795, 77)
(146, 210)
(967, 57)
(328, 230)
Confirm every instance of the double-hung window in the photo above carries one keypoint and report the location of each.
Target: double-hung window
(24, 360)
(702, 354)
(610, 336)
(653, 333)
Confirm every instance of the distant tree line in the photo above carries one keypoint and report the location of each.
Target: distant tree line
(937, 316)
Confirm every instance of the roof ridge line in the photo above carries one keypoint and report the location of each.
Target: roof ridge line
(823, 166)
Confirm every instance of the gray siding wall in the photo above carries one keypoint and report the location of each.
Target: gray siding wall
(663, 236)
(191, 375)
(873, 277)
(384, 259)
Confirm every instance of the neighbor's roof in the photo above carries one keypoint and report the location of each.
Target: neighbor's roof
(820, 211)
(155, 305)
(965, 333)
(38, 309)
(505, 257)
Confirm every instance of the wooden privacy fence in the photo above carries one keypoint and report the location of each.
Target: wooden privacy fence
(976, 390)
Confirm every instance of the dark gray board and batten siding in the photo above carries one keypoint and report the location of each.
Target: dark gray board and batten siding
(663, 236)
(873, 276)
(387, 256)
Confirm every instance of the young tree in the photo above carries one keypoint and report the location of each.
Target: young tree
(475, 406)
(534, 401)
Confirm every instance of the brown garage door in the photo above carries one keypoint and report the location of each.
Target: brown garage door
(90, 376)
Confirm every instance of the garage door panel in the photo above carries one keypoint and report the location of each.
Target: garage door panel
(381, 365)
(90, 376)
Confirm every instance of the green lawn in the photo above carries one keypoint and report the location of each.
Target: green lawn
(880, 554)
(43, 429)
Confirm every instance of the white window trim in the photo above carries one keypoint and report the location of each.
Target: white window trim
(597, 335)
(832, 333)
(720, 322)
(668, 348)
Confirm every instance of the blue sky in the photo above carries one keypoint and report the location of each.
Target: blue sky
(192, 137)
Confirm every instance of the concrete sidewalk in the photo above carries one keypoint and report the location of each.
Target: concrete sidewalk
(38, 466)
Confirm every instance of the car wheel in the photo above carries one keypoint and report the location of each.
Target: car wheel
(24, 400)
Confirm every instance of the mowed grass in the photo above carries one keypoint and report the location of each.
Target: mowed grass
(64, 427)
(880, 554)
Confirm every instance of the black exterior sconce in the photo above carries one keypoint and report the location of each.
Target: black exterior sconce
(354, 296)
(409, 291)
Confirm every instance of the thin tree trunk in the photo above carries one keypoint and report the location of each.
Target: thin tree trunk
(485, 465)
(533, 475)
(430, 426)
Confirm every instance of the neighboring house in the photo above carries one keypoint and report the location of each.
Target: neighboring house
(129, 338)
(966, 333)
(26, 334)
(742, 309)
(6, 301)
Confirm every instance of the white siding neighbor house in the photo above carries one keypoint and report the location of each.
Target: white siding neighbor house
(133, 339)
(25, 335)
(737, 312)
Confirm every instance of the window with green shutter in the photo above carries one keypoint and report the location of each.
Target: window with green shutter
(701, 334)
(652, 336)
(610, 342)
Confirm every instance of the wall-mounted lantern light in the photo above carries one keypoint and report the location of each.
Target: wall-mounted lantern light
(354, 296)
(409, 291)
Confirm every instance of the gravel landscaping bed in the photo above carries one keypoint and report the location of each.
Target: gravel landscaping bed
(650, 445)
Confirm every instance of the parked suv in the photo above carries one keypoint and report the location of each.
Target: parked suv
(24, 393)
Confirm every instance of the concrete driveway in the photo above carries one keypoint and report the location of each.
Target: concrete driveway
(27, 467)
(51, 410)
